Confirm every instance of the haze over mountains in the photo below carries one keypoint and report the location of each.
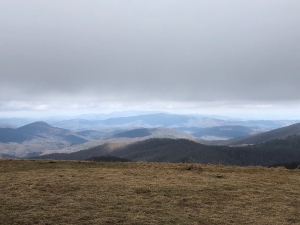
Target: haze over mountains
(126, 137)
(39, 137)
(167, 120)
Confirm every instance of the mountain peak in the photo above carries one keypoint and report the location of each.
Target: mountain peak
(36, 124)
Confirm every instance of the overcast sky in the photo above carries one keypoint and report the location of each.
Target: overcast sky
(195, 56)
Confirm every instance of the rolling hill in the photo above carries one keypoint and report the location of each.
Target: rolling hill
(126, 137)
(182, 150)
(280, 133)
(159, 132)
(38, 130)
(220, 132)
(14, 135)
(92, 134)
(35, 138)
(142, 132)
(41, 138)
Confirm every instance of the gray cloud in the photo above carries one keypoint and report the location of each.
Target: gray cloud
(150, 50)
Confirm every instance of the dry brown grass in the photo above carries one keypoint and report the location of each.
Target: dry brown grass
(71, 192)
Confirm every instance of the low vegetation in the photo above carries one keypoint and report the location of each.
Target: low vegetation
(80, 192)
(107, 158)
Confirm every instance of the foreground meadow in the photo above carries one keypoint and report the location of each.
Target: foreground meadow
(73, 192)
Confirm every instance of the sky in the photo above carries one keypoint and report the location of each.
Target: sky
(236, 57)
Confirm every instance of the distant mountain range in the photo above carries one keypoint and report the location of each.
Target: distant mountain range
(166, 120)
(275, 147)
(40, 138)
(126, 137)
(152, 120)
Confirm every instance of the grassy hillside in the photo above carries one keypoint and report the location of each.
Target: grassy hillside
(72, 192)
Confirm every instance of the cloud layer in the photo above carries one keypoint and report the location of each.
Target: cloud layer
(172, 50)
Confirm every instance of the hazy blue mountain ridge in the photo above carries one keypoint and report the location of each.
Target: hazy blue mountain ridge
(38, 130)
(280, 133)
